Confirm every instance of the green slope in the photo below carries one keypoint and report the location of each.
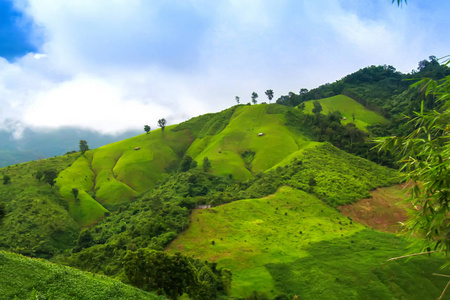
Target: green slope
(115, 174)
(226, 150)
(36, 220)
(291, 242)
(26, 278)
(348, 107)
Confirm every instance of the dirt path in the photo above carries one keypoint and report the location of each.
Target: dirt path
(383, 212)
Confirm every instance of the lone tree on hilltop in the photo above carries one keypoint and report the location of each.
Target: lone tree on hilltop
(83, 146)
(237, 99)
(254, 97)
(269, 94)
(162, 124)
(147, 128)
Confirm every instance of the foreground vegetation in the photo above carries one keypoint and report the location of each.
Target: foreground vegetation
(25, 278)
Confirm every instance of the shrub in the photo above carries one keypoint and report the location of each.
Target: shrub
(6, 179)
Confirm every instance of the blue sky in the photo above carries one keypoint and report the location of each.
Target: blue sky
(117, 65)
(14, 39)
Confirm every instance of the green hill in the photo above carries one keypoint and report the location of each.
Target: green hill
(115, 174)
(26, 278)
(133, 194)
(239, 149)
(348, 108)
(36, 220)
(292, 243)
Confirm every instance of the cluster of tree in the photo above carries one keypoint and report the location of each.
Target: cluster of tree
(150, 223)
(423, 154)
(378, 88)
(329, 128)
(174, 275)
(48, 176)
(161, 123)
(254, 97)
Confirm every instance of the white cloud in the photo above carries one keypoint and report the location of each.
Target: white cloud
(39, 55)
(113, 65)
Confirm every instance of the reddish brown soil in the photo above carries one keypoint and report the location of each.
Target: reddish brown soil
(384, 211)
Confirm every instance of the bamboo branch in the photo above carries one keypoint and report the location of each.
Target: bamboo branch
(443, 275)
(415, 254)
(443, 292)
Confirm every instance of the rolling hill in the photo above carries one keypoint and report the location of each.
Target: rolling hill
(274, 191)
(117, 173)
(349, 108)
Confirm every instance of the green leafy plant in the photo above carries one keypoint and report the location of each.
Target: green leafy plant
(424, 157)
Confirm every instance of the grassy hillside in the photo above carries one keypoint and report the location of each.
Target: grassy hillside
(348, 107)
(240, 151)
(115, 174)
(291, 242)
(36, 220)
(333, 175)
(26, 278)
(133, 194)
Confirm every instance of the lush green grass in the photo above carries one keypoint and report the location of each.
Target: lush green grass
(225, 149)
(347, 106)
(84, 209)
(333, 175)
(36, 222)
(248, 234)
(116, 173)
(26, 278)
(288, 242)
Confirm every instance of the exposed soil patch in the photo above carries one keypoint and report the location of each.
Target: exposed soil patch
(383, 212)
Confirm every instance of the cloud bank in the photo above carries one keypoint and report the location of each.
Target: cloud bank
(118, 65)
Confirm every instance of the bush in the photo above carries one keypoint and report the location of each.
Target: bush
(6, 179)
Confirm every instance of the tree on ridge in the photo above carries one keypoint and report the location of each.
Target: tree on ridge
(147, 128)
(83, 146)
(162, 124)
(269, 94)
(254, 97)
